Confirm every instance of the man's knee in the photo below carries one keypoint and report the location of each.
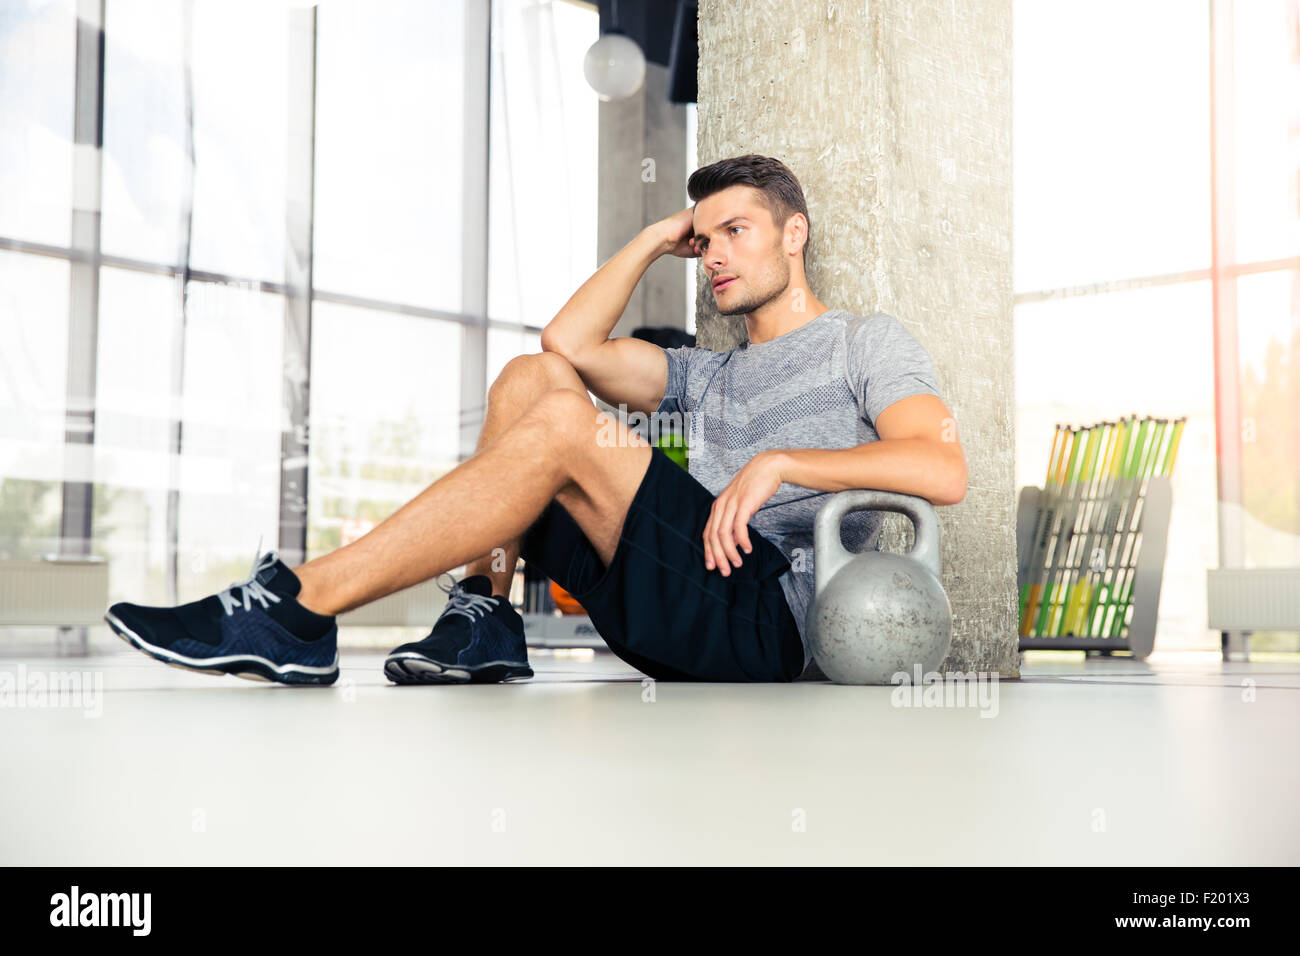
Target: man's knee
(557, 368)
(566, 411)
(574, 426)
(571, 424)
(537, 371)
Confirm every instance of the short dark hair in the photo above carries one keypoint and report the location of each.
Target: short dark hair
(779, 188)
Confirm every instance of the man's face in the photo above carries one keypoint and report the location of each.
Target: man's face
(735, 237)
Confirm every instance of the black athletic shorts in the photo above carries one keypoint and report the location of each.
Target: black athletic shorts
(656, 605)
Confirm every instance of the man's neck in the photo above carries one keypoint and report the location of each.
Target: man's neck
(763, 327)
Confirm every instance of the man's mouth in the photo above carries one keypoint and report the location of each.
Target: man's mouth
(722, 283)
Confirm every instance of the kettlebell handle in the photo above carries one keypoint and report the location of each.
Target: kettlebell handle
(829, 553)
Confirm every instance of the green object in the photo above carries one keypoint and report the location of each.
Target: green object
(673, 444)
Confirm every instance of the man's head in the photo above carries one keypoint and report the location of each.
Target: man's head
(751, 222)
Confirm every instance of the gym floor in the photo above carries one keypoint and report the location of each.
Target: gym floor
(1179, 760)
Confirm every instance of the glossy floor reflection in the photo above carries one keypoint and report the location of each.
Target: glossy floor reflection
(1181, 760)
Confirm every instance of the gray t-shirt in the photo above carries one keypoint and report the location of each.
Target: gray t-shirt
(821, 385)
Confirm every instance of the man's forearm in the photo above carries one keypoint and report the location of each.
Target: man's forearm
(914, 466)
(592, 312)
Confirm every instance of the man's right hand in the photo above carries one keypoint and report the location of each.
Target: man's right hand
(678, 232)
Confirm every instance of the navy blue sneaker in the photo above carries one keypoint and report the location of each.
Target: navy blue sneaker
(478, 638)
(253, 629)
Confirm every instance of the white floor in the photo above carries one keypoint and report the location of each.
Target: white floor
(1180, 760)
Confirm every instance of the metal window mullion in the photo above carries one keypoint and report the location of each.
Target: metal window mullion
(1223, 252)
(83, 298)
(77, 512)
(1227, 373)
(180, 326)
(8, 243)
(299, 220)
(474, 223)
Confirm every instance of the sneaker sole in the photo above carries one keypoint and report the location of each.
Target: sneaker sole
(414, 669)
(249, 668)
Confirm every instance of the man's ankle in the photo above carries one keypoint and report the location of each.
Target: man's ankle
(499, 587)
(311, 599)
(315, 606)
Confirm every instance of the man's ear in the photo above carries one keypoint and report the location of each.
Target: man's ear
(796, 230)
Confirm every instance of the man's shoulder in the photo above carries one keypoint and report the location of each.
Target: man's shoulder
(693, 355)
(878, 335)
(855, 329)
(867, 322)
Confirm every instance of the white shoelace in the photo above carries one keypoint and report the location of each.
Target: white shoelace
(465, 603)
(250, 588)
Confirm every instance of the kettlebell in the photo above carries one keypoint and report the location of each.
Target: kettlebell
(876, 613)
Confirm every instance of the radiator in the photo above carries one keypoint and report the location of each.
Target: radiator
(1253, 599)
(61, 592)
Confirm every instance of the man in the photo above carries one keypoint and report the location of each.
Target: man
(700, 576)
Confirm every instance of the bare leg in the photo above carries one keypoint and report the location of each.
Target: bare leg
(523, 381)
(556, 450)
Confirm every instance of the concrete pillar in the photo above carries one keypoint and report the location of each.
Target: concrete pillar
(642, 163)
(896, 117)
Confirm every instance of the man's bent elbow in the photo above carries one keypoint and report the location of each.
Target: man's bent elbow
(956, 491)
(549, 342)
(953, 490)
(565, 349)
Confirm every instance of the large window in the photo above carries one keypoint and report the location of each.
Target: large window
(543, 165)
(1119, 297)
(33, 370)
(440, 196)
(37, 74)
(391, 90)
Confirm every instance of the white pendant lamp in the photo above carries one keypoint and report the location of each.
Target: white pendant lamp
(614, 65)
